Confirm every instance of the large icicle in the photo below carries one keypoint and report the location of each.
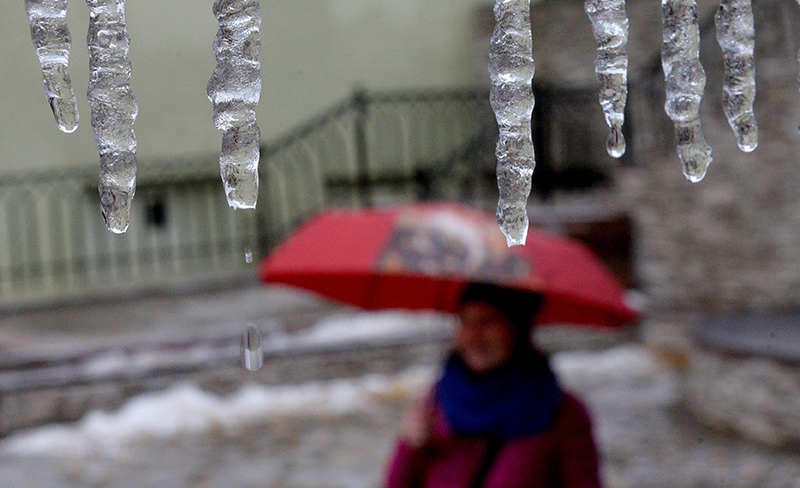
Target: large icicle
(51, 38)
(114, 109)
(610, 26)
(686, 80)
(511, 70)
(736, 37)
(234, 89)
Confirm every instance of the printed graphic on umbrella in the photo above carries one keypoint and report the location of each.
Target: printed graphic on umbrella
(420, 257)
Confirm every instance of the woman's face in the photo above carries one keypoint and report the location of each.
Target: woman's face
(484, 337)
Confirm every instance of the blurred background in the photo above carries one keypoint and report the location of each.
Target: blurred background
(365, 103)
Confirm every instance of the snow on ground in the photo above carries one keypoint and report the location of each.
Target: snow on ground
(186, 409)
(358, 326)
(339, 433)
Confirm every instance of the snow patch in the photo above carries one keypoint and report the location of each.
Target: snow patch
(186, 409)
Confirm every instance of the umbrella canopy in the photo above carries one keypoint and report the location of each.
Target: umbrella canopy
(421, 256)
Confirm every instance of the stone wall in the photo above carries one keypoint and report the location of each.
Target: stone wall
(729, 241)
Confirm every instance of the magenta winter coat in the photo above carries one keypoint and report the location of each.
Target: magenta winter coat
(563, 457)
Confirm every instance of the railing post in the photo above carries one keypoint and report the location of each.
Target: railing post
(362, 157)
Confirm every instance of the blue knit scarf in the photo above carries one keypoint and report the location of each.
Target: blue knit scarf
(512, 401)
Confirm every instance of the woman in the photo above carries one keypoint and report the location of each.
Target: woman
(497, 418)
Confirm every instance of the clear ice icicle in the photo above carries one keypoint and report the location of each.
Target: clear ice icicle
(610, 26)
(511, 69)
(114, 109)
(685, 80)
(234, 90)
(51, 38)
(736, 37)
(252, 350)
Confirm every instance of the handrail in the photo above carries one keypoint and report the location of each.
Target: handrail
(53, 245)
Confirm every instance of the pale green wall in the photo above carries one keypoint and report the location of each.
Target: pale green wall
(314, 52)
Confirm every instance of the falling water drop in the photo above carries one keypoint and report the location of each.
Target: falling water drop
(114, 109)
(52, 40)
(615, 145)
(511, 69)
(252, 350)
(685, 80)
(234, 90)
(610, 26)
(248, 255)
(736, 37)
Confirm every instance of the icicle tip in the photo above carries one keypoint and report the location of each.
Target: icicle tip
(115, 206)
(695, 169)
(513, 222)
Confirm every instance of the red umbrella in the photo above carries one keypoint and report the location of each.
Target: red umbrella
(421, 256)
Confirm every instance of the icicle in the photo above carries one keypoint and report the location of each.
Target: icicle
(610, 26)
(511, 70)
(234, 89)
(114, 109)
(50, 35)
(686, 80)
(736, 37)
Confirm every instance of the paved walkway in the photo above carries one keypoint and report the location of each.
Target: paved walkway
(646, 437)
(167, 316)
(773, 334)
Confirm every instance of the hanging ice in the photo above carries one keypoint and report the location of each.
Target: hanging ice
(511, 70)
(736, 37)
(50, 36)
(610, 26)
(686, 80)
(252, 350)
(234, 90)
(114, 109)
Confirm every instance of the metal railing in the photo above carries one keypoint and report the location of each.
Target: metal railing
(369, 149)
(374, 148)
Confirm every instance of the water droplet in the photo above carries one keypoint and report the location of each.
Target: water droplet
(616, 142)
(248, 255)
(252, 350)
(748, 142)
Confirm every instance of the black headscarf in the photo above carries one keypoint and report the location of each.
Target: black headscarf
(518, 306)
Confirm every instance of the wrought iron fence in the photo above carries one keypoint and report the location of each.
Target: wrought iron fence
(371, 148)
